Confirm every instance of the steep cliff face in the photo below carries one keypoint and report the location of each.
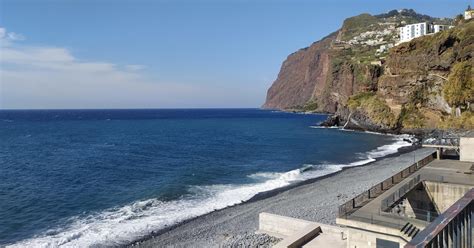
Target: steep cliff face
(356, 73)
(330, 70)
(415, 74)
(301, 74)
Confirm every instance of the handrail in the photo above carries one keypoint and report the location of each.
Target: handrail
(440, 231)
(400, 193)
(361, 199)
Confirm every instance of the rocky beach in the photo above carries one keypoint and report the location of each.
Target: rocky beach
(314, 200)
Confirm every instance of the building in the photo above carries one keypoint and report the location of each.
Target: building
(438, 28)
(469, 13)
(412, 31)
(466, 149)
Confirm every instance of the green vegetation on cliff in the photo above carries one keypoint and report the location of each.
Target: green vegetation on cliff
(310, 106)
(375, 108)
(411, 117)
(355, 25)
(356, 70)
(432, 72)
(465, 121)
(459, 90)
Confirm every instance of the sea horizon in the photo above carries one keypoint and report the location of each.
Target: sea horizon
(235, 123)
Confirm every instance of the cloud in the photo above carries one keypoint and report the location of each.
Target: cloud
(14, 36)
(7, 37)
(46, 77)
(36, 77)
(134, 67)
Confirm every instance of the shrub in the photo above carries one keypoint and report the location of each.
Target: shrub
(310, 106)
(465, 121)
(376, 108)
(459, 90)
(411, 117)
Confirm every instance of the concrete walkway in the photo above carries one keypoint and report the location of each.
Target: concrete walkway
(445, 171)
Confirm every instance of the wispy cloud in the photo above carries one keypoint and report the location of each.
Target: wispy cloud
(52, 77)
(7, 37)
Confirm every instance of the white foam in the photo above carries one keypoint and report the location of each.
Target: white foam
(390, 148)
(128, 223)
(324, 127)
(125, 224)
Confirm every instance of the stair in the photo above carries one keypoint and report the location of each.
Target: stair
(409, 230)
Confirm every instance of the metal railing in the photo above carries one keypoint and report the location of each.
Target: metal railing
(400, 193)
(447, 140)
(416, 213)
(453, 228)
(362, 199)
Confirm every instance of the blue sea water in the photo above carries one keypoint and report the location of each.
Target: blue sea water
(108, 177)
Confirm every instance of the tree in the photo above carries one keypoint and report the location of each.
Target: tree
(459, 89)
(459, 19)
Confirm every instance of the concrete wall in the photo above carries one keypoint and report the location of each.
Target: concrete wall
(419, 204)
(296, 232)
(360, 238)
(361, 234)
(444, 195)
(280, 226)
(466, 145)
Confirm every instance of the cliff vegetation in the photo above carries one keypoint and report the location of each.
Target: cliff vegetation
(369, 81)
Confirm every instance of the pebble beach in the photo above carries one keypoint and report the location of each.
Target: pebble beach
(313, 200)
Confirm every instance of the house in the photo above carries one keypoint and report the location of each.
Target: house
(438, 28)
(469, 13)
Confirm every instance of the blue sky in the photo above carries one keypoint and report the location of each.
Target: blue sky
(163, 54)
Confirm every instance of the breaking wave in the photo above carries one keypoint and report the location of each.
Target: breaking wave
(125, 224)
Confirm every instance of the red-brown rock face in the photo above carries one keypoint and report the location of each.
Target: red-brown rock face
(301, 77)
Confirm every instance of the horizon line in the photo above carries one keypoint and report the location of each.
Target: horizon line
(196, 108)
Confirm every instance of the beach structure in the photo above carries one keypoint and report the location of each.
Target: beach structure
(466, 151)
(411, 31)
(428, 204)
(425, 206)
(301, 233)
(463, 146)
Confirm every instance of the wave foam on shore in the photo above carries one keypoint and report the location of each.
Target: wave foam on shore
(123, 225)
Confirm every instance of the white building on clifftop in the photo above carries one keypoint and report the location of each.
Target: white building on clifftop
(412, 31)
(469, 13)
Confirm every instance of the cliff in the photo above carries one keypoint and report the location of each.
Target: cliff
(369, 82)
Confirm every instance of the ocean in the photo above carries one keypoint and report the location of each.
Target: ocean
(82, 178)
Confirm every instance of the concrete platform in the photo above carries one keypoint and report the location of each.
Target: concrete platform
(301, 233)
(449, 179)
(326, 240)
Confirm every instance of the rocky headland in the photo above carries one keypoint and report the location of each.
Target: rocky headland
(367, 81)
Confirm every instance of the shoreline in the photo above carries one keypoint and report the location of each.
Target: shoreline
(137, 220)
(154, 239)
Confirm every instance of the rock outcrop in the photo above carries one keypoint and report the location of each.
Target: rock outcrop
(369, 82)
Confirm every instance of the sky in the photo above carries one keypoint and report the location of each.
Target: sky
(71, 54)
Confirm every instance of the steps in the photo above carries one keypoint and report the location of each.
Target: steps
(409, 230)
